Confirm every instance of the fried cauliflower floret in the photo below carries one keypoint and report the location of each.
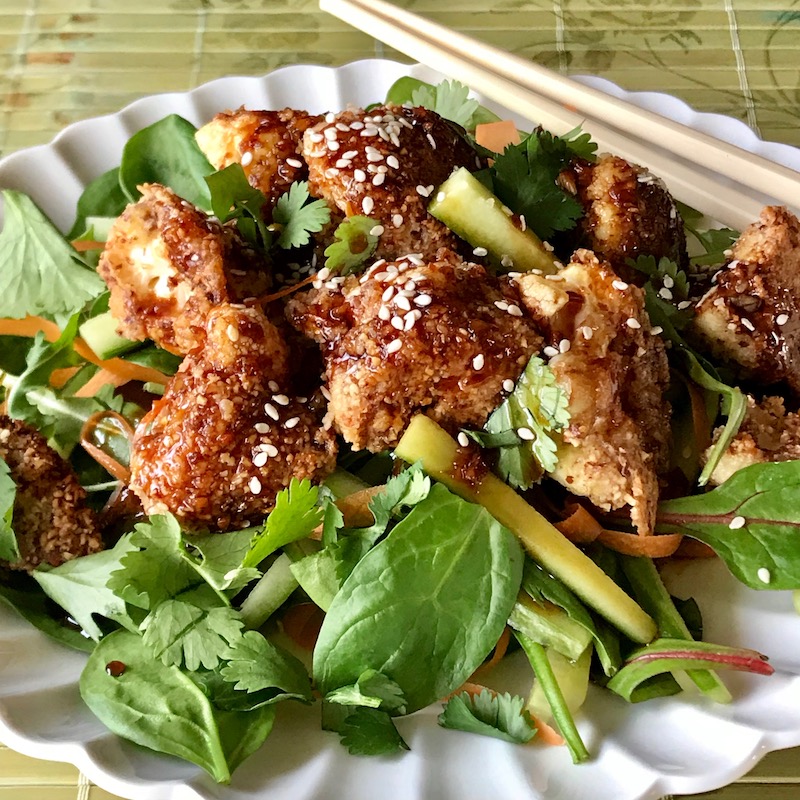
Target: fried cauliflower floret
(268, 145)
(768, 433)
(384, 164)
(168, 264)
(410, 336)
(628, 212)
(750, 318)
(615, 373)
(226, 437)
(51, 520)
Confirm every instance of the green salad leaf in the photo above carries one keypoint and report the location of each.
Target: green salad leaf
(9, 547)
(501, 716)
(103, 197)
(370, 732)
(353, 246)
(372, 690)
(232, 197)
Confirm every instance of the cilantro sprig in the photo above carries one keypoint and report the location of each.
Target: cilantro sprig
(296, 216)
(501, 716)
(353, 245)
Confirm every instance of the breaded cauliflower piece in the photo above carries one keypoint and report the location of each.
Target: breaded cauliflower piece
(268, 145)
(226, 438)
(51, 520)
(628, 213)
(439, 336)
(768, 433)
(750, 318)
(385, 164)
(616, 374)
(168, 264)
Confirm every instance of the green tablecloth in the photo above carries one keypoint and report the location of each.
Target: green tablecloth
(63, 61)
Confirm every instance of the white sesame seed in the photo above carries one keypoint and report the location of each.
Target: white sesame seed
(587, 332)
(271, 450)
(387, 294)
(737, 522)
(501, 304)
(397, 323)
(359, 175)
(480, 252)
(350, 154)
(781, 319)
(394, 346)
(548, 247)
(431, 141)
(291, 422)
(254, 484)
(294, 162)
(550, 351)
(514, 310)
(374, 156)
(379, 179)
(330, 134)
(665, 293)
(411, 319)
(316, 137)
(564, 345)
(397, 220)
(401, 301)
(260, 459)
(463, 439)
(763, 575)
(233, 333)
(478, 361)
(393, 162)
(506, 260)
(273, 386)
(656, 330)
(262, 427)
(271, 411)
(377, 230)
(525, 434)
(523, 226)
(343, 163)
(423, 190)
(684, 304)
(246, 158)
(384, 313)
(749, 325)
(342, 127)
(324, 274)
(620, 285)
(333, 145)
(633, 323)
(281, 399)
(508, 385)
(668, 281)
(422, 300)
(367, 204)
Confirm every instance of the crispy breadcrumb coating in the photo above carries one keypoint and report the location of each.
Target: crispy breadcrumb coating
(226, 436)
(616, 374)
(436, 336)
(628, 212)
(168, 264)
(385, 164)
(750, 318)
(268, 145)
(51, 520)
(768, 433)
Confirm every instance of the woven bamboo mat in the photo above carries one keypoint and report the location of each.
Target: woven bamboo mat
(64, 61)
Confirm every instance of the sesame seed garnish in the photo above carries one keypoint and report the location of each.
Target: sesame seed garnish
(260, 459)
(333, 145)
(271, 450)
(749, 325)
(684, 304)
(620, 285)
(548, 247)
(246, 158)
(233, 333)
(294, 162)
(271, 411)
(384, 313)
(324, 274)
(633, 323)
(668, 281)
(480, 252)
(394, 346)
(523, 226)
(514, 310)
(501, 304)
(330, 134)
(316, 137)
(506, 260)
(262, 427)
(343, 163)
(411, 319)
(763, 575)
(254, 484)
(393, 162)
(291, 422)
(281, 399)
(273, 386)
(425, 190)
(737, 522)
(387, 294)
(508, 385)
(656, 330)
(550, 351)
(478, 361)
(431, 141)
(463, 439)
(564, 345)
(302, 400)
(587, 332)
(367, 204)
(665, 293)
(359, 175)
(377, 230)
(781, 319)
(397, 220)
(401, 301)
(374, 156)
(422, 300)
(397, 323)
(526, 434)
(379, 179)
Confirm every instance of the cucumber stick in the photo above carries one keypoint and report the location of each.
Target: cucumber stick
(472, 212)
(427, 442)
(549, 625)
(100, 333)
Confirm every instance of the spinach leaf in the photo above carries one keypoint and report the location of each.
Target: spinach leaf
(499, 715)
(426, 605)
(9, 547)
(232, 197)
(166, 152)
(40, 272)
(160, 707)
(752, 521)
(103, 197)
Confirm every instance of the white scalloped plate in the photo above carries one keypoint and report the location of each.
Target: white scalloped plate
(674, 745)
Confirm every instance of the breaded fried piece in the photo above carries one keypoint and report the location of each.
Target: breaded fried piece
(439, 337)
(628, 213)
(615, 373)
(268, 145)
(225, 438)
(51, 520)
(168, 264)
(385, 164)
(768, 433)
(751, 317)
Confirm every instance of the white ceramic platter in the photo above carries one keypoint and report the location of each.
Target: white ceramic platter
(674, 745)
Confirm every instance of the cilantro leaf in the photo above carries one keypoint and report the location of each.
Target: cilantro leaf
(221, 557)
(663, 273)
(539, 405)
(40, 272)
(191, 630)
(370, 732)
(449, 99)
(501, 716)
(580, 144)
(353, 246)
(297, 217)
(80, 587)
(715, 241)
(257, 666)
(232, 197)
(372, 690)
(9, 548)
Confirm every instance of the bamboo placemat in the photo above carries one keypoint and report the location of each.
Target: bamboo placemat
(63, 61)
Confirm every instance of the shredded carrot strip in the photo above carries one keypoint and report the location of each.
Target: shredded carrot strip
(82, 245)
(30, 326)
(546, 734)
(472, 689)
(629, 544)
(580, 527)
(98, 381)
(302, 624)
(58, 377)
(268, 298)
(109, 463)
(691, 548)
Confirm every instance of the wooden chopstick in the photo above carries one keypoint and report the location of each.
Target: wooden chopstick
(724, 181)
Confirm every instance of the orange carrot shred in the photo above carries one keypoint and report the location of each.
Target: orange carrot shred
(580, 527)
(630, 544)
(302, 624)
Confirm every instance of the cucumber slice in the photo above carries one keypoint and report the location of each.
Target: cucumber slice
(100, 333)
(550, 626)
(472, 212)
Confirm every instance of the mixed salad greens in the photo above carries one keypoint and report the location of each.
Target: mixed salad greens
(194, 639)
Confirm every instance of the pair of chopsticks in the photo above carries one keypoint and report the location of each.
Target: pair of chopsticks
(726, 182)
